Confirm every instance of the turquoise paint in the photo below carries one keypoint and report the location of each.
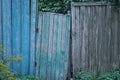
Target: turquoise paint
(67, 44)
(38, 45)
(17, 29)
(50, 47)
(44, 47)
(32, 36)
(0, 22)
(6, 24)
(54, 49)
(25, 35)
(59, 47)
(16, 35)
(53, 46)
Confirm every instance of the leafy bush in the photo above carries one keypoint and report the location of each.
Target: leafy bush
(62, 6)
(82, 75)
(53, 6)
(25, 77)
(111, 75)
(5, 73)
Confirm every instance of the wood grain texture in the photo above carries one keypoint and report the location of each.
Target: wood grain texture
(54, 49)
(6, 22)
(25, 35)
(50, 47)
(16, 35)
(95, 40)
(44, 47)
(33, 25)
(38, 44)
(1, 22)
(17, 31)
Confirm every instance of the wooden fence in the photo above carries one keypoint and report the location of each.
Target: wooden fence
(17, 32)
(95, 37)
(52, 45)
(45, 47)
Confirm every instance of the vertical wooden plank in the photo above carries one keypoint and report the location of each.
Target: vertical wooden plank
(118, 34)
(25, 35)
(77, 42)
(50, 48)
(103, 35)
(84, 39)
(63, 47)
(98, 37)
(44, 50)
(115, 40)
(0, 22)
(57, 24)
(6, 11)
(81, 29)
(38, 44)
(59, 46)
(67, 36)
(96, 40)
(32, 36)
(16, 18)
(90, 38)
(54, 49)
(73, 38)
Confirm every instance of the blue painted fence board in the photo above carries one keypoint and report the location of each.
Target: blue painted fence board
(44, 47)
(6, 4)
(16, 35)
(25, 35)
(54, 50)
(0, 22)
(50, 48)
(32, 38)
(38, 45)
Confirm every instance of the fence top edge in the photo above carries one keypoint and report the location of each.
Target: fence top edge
(77, 4)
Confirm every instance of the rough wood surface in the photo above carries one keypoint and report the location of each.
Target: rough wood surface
(6, 27)
(16, 24)
(17, 33)
(95, 39)
(33, 24)
(1, 22)
(54, 49)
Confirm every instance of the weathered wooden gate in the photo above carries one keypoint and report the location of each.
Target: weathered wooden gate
(52, 46)
(95, 36)
(17, 32)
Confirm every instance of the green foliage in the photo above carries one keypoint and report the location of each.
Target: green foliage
(25, 77)
(5, 73)
(54, 6)
(62, 6)
(111, 75)
(82, 75)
